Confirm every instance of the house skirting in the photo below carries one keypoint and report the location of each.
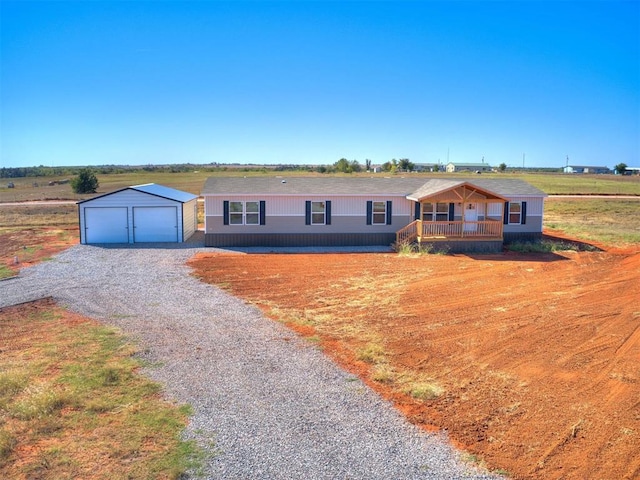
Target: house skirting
(510, 237)
(298, 239)
(464, 246)
(489, 245)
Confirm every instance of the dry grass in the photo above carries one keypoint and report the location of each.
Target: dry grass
(73, 406)
(38, 216)
(610, 221)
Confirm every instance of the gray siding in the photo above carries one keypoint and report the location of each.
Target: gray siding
(296, 224)
(533, 225)
(280, 205)
(298, 239)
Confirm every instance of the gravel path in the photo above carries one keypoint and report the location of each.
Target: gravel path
(267, 404)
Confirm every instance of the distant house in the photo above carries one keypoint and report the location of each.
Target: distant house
(632, 171)
(468, 167)
(585, 169)
(428, 167)
(478, 215)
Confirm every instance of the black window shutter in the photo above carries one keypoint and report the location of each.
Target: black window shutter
(452, 212)
(416, 213)
(523, 218)
(263, 205)
(225, 212)
(369, 212)
(328, 212)
(389, 212)
(307, 214)
(506, 213)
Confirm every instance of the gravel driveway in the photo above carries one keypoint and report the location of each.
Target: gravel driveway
(267, 404)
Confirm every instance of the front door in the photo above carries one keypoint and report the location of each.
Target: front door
(470, 217)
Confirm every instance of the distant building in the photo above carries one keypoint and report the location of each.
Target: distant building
(468, 167)
(632, 171)
(427, 167)
(585, 169)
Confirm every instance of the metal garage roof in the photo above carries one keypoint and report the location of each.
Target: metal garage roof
(151, 189)
(165, 192)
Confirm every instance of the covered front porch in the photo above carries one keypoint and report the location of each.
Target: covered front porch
(454, 211)
(422, 231)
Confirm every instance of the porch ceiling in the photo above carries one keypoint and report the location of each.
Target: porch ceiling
(452, 190)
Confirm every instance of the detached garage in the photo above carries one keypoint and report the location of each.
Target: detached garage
(139, 214)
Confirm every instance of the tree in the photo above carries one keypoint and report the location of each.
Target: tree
(85, 182)
(345, 166)
(367, 164)
(342, 165)
(621, 168)
(406, 165)
(502, 167)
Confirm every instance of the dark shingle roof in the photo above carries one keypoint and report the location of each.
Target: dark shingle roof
(401, 186)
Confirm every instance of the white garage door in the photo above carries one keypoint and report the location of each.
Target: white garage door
(155, 224)
(106, 225)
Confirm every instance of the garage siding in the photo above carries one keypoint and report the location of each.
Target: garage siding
(189, 219)
(134, 203)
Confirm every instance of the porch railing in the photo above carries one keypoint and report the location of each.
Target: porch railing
(460, 229)
(420, 230)
(408, 234)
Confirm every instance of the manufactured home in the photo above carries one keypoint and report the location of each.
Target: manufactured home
(138, 214)
(452, 167)
(464, 215)
(585, 169)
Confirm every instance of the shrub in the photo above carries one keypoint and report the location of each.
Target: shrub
(85, 182)
(424, 391)
(412, 249)
(549, 246)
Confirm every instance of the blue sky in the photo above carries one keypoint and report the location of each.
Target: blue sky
(90, 83)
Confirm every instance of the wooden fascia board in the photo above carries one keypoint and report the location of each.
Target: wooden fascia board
(464, 186)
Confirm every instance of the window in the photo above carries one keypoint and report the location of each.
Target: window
(252, 213)
(379, 213)
(318, 211)
(435, 212)
(244, 213)
(236, 211)
(515, 213)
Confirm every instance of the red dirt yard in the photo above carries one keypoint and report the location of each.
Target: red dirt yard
(532, 361)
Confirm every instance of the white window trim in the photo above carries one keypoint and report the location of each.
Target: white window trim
(323, 213)
(244, 212)
(519, 203)
(383, 213)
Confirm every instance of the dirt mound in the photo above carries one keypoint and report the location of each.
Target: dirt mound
(537, 355)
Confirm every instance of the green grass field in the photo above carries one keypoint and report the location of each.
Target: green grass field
(553, 184)
(611, 221)
(606, 220)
